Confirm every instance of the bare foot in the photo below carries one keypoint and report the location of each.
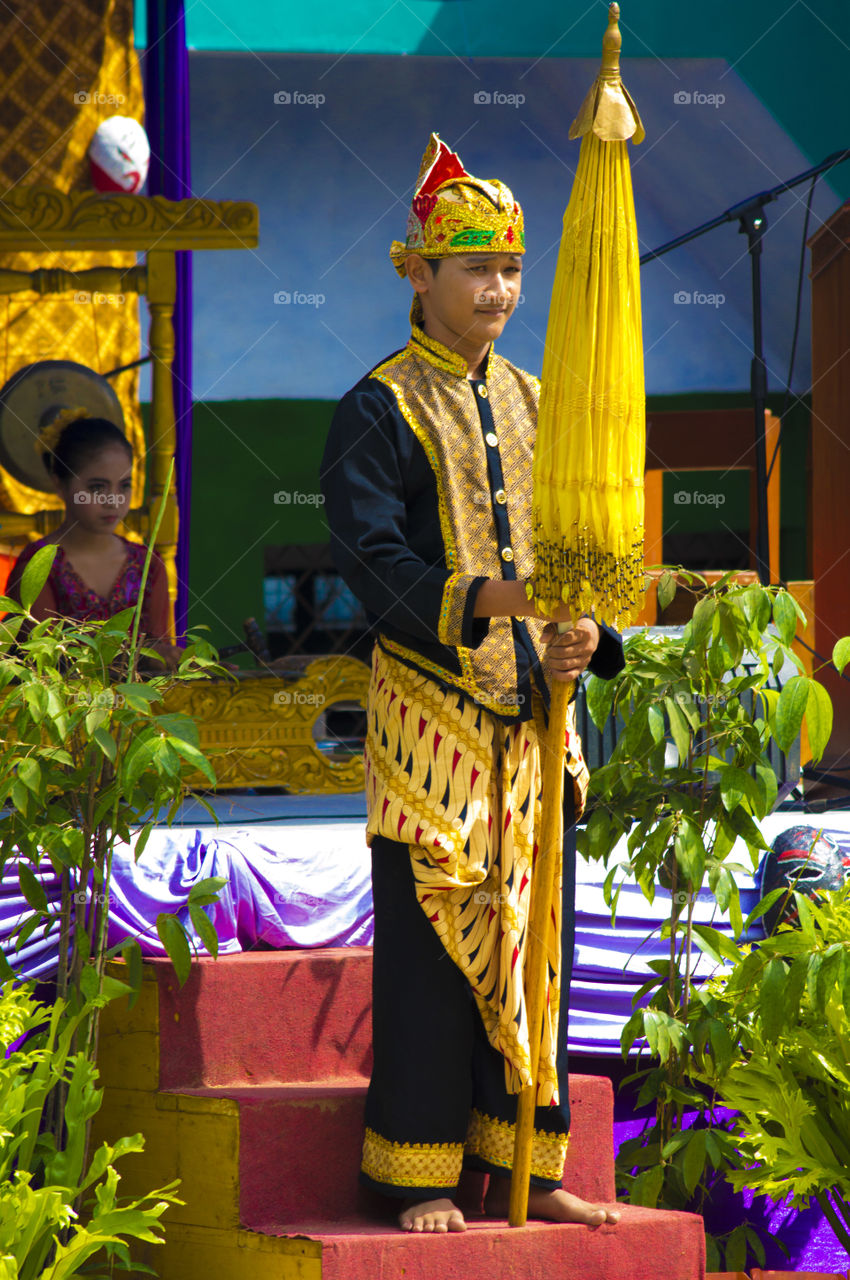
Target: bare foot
(431, 1215)
(551, 1206)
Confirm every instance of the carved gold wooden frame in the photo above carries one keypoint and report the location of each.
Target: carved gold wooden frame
(258, 731)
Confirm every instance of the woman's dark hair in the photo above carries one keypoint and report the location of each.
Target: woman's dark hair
(80, 441)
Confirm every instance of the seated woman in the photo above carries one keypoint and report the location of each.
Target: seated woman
(96, 573)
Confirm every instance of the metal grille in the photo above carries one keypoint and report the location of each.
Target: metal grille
(308, 607)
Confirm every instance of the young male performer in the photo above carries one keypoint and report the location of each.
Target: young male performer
(427, 477)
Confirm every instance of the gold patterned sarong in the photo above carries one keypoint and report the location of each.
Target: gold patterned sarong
(462, 789)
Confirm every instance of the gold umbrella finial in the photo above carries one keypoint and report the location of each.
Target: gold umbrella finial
(611, 44)
(608, 110)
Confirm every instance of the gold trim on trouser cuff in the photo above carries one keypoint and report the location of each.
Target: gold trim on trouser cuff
(493, 1141)
(406, 1164)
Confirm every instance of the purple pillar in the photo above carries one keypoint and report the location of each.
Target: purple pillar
(166, 70)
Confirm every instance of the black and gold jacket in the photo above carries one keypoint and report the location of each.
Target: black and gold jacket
(427, 480)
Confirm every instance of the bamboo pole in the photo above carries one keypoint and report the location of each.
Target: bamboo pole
(549, 854)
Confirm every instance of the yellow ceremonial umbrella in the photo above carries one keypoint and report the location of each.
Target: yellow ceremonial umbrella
(588, 469)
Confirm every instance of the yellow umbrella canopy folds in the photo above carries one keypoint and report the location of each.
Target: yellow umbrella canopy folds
(589, 453)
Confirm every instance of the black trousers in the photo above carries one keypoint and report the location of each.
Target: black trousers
(437, 1098)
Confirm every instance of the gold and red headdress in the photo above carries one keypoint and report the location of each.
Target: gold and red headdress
(453, 212)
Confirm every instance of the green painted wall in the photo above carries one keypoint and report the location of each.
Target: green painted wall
(246, 452)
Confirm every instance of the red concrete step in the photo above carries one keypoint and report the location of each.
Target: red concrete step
(645, 1245)
(299, 1148)
(269, 1017)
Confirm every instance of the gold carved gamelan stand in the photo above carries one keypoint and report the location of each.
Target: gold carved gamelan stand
(259, 730)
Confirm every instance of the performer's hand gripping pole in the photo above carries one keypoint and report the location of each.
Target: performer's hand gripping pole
(549, 854)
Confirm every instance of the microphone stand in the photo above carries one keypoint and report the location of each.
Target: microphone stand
(752, 221)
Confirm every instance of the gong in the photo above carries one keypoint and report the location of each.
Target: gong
(33, 397)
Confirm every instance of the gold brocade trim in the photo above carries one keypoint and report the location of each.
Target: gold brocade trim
(493, 1140)
(406, 1164)
(455, 592)
(437, 353)
(451, 677)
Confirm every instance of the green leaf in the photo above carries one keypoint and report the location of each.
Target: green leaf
(142, 839)
(678, 728)
(769, 788)
(89, 983)
(204, 928)
(841, 652)
(771, 999)
(145, 694)
(655, 720)
(789, 711)
(693, 1164)
(36, 574)
(736, 919)
(29, 772)
(31, 888)
(631, 1031)
(598, 840)
(177, 725)
(718, 945)
(712, 1255)
(195, 757)
(729, 629)
(173, 938)
(763, 906)
(647, 1186)
(106, 742)
(736, 1249)
(137, 760)
(818, 719)
(132, 954)
(785, 616)
(701, 623)
(690, 852)
(666, 589)
(756, 605)
(748, 830)
(599, 696)
(205, 892)
(735, 784)
(756, 1245)
(722, 1049)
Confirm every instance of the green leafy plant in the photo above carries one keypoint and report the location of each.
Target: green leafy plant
(57, 1208)
(88, 757)
(689, 777)
(784, 1006)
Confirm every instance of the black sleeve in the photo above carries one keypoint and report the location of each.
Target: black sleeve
(362, 480)
(609, 659)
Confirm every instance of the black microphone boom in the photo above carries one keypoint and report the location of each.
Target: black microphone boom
(749, 213)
